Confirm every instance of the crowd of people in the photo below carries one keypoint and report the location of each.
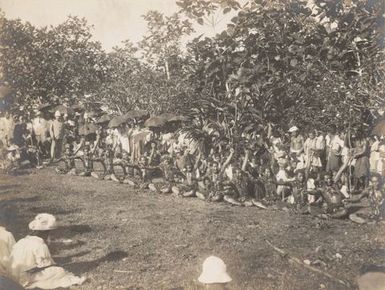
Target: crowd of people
(340, 173)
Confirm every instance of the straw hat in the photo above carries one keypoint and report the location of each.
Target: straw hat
(57, 114)
(43, 222)
(214, 271)
(293, 129)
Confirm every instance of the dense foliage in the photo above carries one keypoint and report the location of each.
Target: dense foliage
(312, 63)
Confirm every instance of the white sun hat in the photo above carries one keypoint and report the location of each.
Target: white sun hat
(293, 129)
(214, 271)
(43, 222)
(57, 114)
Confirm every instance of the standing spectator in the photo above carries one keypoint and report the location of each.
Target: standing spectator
(334, 146)
(20, 132)
(374, 154)
(296, 141)
(40, 130)
(362, 167)
(57, 135)
(6, 129)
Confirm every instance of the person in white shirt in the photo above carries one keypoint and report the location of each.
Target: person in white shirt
(7, 241)
(334, 149)
(31, 263)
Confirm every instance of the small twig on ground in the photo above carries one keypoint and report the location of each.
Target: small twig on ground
(121, 271)
(299, 262)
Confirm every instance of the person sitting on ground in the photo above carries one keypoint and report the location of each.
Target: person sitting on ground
(88, 162)
(69, 161)
(214, 274)
(369, 202)
(13, 159)
(217, 178)
(109, 162)
(7, 241)
(299, 192)
(189, 184)
(332, 198)
(167, 168)
(31, 263)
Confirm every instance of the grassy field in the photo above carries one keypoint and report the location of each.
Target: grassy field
(124, 238)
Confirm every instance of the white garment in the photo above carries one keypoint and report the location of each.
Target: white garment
(40, 127)
(123, 139)
(7, 241)
(309, 147)
(6, 128)
(31, 252)
(374, 156)
(336, 144)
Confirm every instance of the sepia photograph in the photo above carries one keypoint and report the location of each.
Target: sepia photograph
(192, 144)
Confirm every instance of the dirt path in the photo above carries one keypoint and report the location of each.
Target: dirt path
(131, 239)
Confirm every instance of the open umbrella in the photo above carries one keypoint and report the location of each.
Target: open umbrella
(88, 129)
(136, 114)
(104, 119)
(117, 121)
(155, 122)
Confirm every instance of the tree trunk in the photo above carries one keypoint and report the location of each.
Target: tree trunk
(166, 69)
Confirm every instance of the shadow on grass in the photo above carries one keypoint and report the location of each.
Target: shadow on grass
(71, 230)
(67, 259)
(83, 267)
(52, 210)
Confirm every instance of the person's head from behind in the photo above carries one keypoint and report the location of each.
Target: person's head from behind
(214, 274)
(42, 225)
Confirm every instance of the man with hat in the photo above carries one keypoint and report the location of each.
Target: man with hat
(296, 141)
(214, 274)
(57, 135)
(31, 262)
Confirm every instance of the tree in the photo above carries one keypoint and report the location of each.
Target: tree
(161, 44)
(41, 63)
(293, 68)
